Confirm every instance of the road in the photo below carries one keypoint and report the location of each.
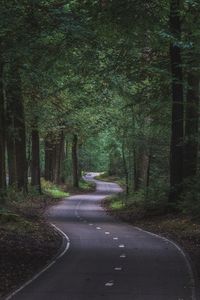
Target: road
(108, 259)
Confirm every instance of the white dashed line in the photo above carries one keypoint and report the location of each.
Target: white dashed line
(115, 238)
(107, 232)
(118, 268)
(110, 283)
(123, 255)
(90, 224)
(98, 228)
(121, 246)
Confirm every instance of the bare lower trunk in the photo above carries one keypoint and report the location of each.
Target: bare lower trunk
(176, 149)
(16, 135)
(35, 161)
(2, 134)
(75, 161)
(191, 127)
(48, 160)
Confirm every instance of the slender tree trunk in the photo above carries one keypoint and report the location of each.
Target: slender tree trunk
(59, 158)
(2, 134)
(125, 167)
(35, 162)
(191, 127)
(176, 149)
(75, 161)
(136, 173)
(48, 160)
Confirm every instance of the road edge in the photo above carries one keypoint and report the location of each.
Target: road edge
(61, 252)
(191, 271)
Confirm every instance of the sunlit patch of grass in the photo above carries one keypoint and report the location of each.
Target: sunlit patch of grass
(86, 185)
(53, 190)
(117, 205)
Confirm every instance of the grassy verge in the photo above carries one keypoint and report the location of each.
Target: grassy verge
(84, 187)
(180, 228)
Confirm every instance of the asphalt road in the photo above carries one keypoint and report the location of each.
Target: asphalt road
(108, 259)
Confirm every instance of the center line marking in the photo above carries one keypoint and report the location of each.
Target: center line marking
(90, 224)
(107, 232)
(115, 238)
(110, 283)
(118, 268)
(98, 228)
(121, 246)
(123, 255)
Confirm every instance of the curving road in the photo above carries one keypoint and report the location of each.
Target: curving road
(108, 259)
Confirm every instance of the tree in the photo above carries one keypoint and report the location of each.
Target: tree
(176, 152)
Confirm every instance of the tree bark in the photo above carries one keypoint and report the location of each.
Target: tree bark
(75, 161)
(48, 160)
(16, 138)
(125, 167)
(176, 148)
(35, 161)
(191, 127)
(2, 133)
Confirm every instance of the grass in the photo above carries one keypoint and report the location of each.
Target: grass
(53, 190)
(86, 185)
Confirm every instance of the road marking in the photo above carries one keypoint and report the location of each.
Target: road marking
(110, 283)
(118, 268)
(107, 232)
(123, 255)
(66, 238)
(121, 246)
(98, 228)
(90, 224)
(115, 238)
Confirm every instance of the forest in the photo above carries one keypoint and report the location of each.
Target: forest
(107, 86)
(94, 86)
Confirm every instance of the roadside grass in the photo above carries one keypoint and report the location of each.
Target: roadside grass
(84, 186)
(53, 190)
(87, 185)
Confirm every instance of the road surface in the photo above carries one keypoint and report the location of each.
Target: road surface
(108, 259)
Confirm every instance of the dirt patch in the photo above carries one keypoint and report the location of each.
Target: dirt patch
(27, 242)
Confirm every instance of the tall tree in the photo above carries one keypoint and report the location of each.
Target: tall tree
(176, 151)
(2, 130)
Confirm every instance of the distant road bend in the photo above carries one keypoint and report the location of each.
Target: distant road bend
(108, 259)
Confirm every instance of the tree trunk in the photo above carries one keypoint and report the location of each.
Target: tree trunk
(125, 167)
(75, 161)
(59, 158)
(16, 138)
(48, 161)
(35, 161)
(2, 134)
(191, 127)
(176, 148)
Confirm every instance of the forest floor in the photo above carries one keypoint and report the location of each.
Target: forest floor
(27, 241)
(179, 228)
